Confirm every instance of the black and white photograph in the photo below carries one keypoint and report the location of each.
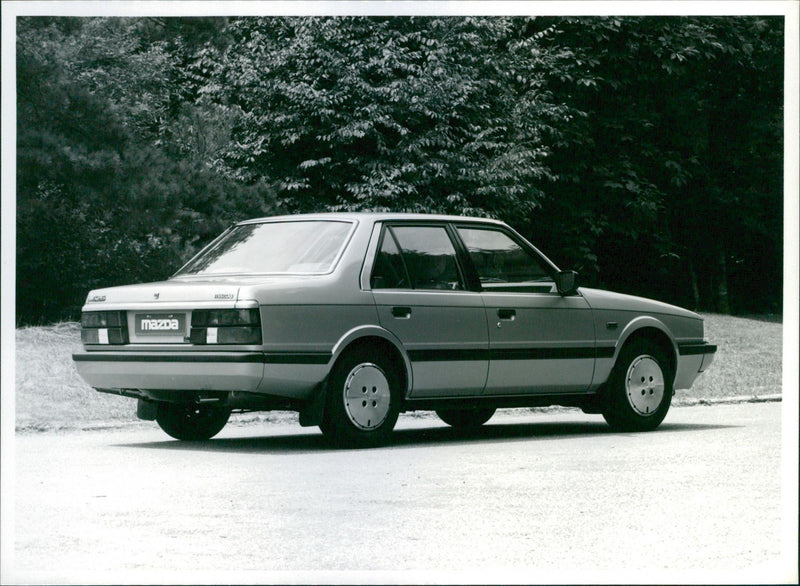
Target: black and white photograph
(400, 292)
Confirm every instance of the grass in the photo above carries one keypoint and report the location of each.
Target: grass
(50, 395)
(748, 360)
(49, 392)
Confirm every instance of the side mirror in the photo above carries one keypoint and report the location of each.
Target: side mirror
(567, 283)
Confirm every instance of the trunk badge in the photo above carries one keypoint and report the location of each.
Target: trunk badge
(155, 295)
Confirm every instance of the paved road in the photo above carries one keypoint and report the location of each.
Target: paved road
(542, 496)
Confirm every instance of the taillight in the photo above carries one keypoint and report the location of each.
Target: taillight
(104, 327)
(225, 326)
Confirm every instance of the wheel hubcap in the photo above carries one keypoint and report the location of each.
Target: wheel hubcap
(644, 385)
(367, 396)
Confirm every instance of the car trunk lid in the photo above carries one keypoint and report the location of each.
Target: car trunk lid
(166, 294)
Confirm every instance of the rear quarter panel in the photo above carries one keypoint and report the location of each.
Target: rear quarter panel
(305, 319)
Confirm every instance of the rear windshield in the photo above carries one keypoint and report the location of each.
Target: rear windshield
(302, 247)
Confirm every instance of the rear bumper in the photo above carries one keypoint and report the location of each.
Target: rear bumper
(196, 371)
(284, 374)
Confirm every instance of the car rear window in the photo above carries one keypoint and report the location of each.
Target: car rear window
(298, 247)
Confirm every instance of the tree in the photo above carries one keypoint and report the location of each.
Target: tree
(417, 114)
(101, 200)
(681, 135)
(616, 144)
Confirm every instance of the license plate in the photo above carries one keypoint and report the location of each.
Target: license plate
(160, 324)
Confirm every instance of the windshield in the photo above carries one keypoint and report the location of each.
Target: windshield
(302, 247)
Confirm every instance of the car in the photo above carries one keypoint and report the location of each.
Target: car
(353, 318)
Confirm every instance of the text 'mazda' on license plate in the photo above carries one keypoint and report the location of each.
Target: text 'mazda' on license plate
(160, 323)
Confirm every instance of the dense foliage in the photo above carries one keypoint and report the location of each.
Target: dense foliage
(646, 152)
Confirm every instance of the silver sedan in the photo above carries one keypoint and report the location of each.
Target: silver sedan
(351, 319)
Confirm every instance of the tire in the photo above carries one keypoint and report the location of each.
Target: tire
(191, 422)
(362, 400)
(639, 390)
(465, 418)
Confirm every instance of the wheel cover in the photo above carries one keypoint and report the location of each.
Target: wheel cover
(644, 385)
(367, 396)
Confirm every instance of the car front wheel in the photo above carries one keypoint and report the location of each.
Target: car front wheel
(362, 403)
(639, 390)
(191, 422)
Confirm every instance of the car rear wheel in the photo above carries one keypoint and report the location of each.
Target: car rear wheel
(362, 403)
(191, 422)
(465, 418)
(639, 391)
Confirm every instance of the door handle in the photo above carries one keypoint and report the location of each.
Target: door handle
(401, 312)
(507, 314)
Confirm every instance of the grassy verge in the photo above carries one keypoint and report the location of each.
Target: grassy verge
(748, 361)
(50, 394)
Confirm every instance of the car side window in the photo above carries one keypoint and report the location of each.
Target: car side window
(389, 271)
(502, 264)
(416, 257)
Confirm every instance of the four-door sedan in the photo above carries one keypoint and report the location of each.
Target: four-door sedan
(351, 319)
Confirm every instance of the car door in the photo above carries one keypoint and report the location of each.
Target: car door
(421, 297)
(539, 341)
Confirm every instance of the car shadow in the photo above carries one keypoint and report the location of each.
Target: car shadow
(313, 441)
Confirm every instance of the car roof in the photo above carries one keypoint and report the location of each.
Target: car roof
(371, 217)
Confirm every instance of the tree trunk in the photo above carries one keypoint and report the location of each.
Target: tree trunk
(723, 304)
(695, 289)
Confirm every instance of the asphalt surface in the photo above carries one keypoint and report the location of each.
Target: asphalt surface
(539, 497)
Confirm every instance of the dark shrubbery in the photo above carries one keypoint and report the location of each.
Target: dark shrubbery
(645, 152)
